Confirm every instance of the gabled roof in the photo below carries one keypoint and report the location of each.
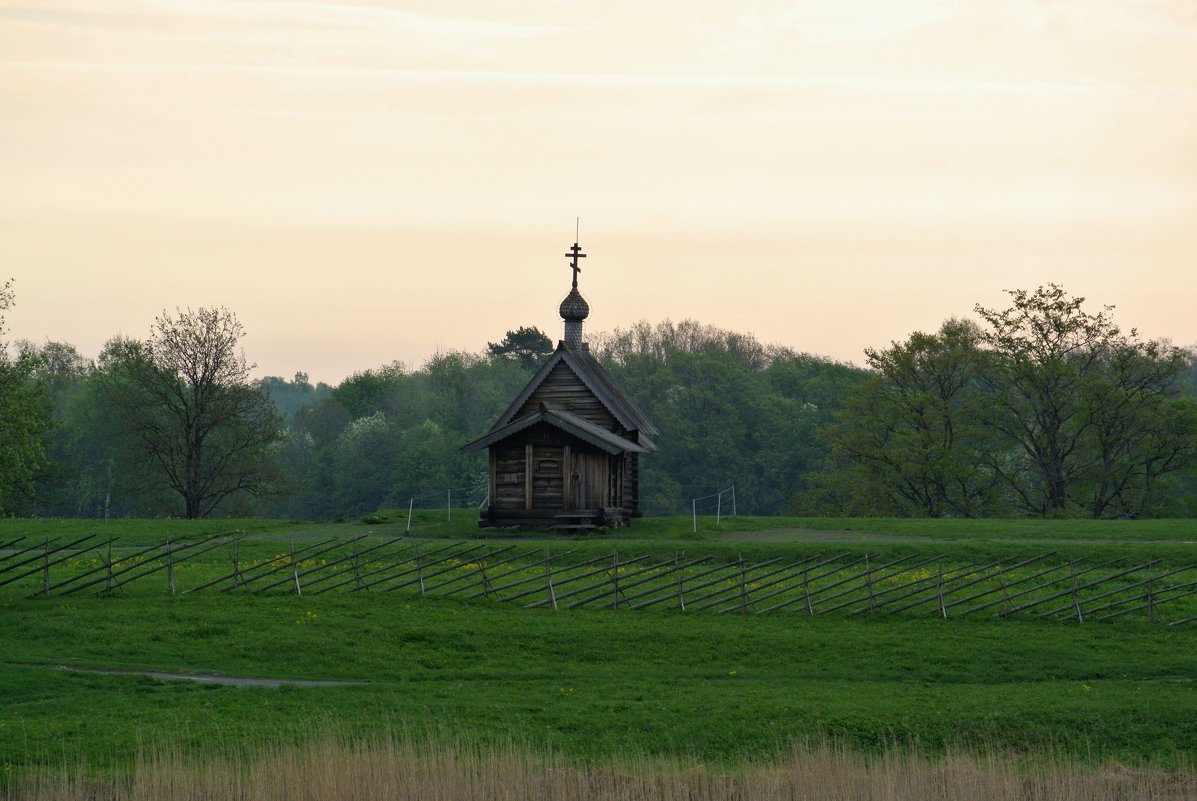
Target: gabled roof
(596, 379)
(568, 422)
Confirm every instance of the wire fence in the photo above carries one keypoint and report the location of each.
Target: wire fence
(844, 584)
(463, 498)
(703, 503)
(717, 504)
(712, 504)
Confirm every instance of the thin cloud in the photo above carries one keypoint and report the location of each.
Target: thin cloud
(927, 84)
(318, 14)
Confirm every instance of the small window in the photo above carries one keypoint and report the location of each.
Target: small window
(548, 466)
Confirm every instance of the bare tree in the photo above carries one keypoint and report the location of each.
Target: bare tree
(185, 395)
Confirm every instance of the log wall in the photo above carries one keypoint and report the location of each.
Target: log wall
(509, 476)
(562, 389)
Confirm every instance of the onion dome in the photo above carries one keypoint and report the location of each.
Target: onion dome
(574, 307)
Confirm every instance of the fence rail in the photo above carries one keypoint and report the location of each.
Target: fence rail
(1038, 587)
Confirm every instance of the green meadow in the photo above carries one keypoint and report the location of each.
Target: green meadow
(592, 684)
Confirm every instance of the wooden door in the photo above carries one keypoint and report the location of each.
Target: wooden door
(585, 488)
(547, 489)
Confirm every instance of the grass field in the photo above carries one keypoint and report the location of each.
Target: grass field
(592, 685)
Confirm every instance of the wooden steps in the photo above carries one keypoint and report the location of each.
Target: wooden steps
(579, 520)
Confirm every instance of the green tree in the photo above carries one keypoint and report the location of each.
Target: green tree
(60, 372)
(359, 468)
(289, 397)
(526, 346)
(1141, 429)
(104, 473)
(367, 391)
(912, 429)
(24, 417)
(729, 408)
(465, 392)
(430, 464)
(189, 410)
(1086, 409)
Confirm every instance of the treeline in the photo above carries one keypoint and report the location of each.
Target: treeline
(730, 409)
(1039, 409)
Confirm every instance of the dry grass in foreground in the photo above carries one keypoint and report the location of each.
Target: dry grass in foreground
(328, 769)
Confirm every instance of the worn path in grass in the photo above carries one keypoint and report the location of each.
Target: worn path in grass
(208, 678)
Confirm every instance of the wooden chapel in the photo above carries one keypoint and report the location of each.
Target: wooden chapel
(565, 453)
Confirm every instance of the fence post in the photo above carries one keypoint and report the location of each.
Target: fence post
(236, 562)
(1076, 602)
(482, 576)
(1150, 598)
(734, 501)
(170, 568)
(411, 502)
(743, 588)
(939, 590)
(806, 590)
(718, 508)
(869, 582)
(295, 570)
(681, 601)
(694, 513)
(615, 579)
(548, 577)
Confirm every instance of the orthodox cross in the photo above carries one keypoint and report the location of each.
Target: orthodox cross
(574, 254)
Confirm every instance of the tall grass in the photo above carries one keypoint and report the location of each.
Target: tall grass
(399, 768)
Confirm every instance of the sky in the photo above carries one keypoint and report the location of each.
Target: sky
(362, 182)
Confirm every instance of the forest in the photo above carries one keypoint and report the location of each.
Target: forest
(1041, 409)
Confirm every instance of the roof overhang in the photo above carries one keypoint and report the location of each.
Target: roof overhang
(564, 421)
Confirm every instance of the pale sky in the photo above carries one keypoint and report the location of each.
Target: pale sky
(370, 181)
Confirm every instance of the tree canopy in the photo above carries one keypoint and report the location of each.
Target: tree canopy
(730, 409)
(528, 346)
(1046, 409)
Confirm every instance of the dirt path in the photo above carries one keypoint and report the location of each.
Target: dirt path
(231, 681)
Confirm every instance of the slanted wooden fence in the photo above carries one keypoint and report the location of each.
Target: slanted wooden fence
(845, 584)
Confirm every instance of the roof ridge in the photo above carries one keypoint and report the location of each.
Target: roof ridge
(597, 380)
(630, 409)
(535, 381)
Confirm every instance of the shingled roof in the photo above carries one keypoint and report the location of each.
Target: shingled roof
(596, 379)
(565, 421)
